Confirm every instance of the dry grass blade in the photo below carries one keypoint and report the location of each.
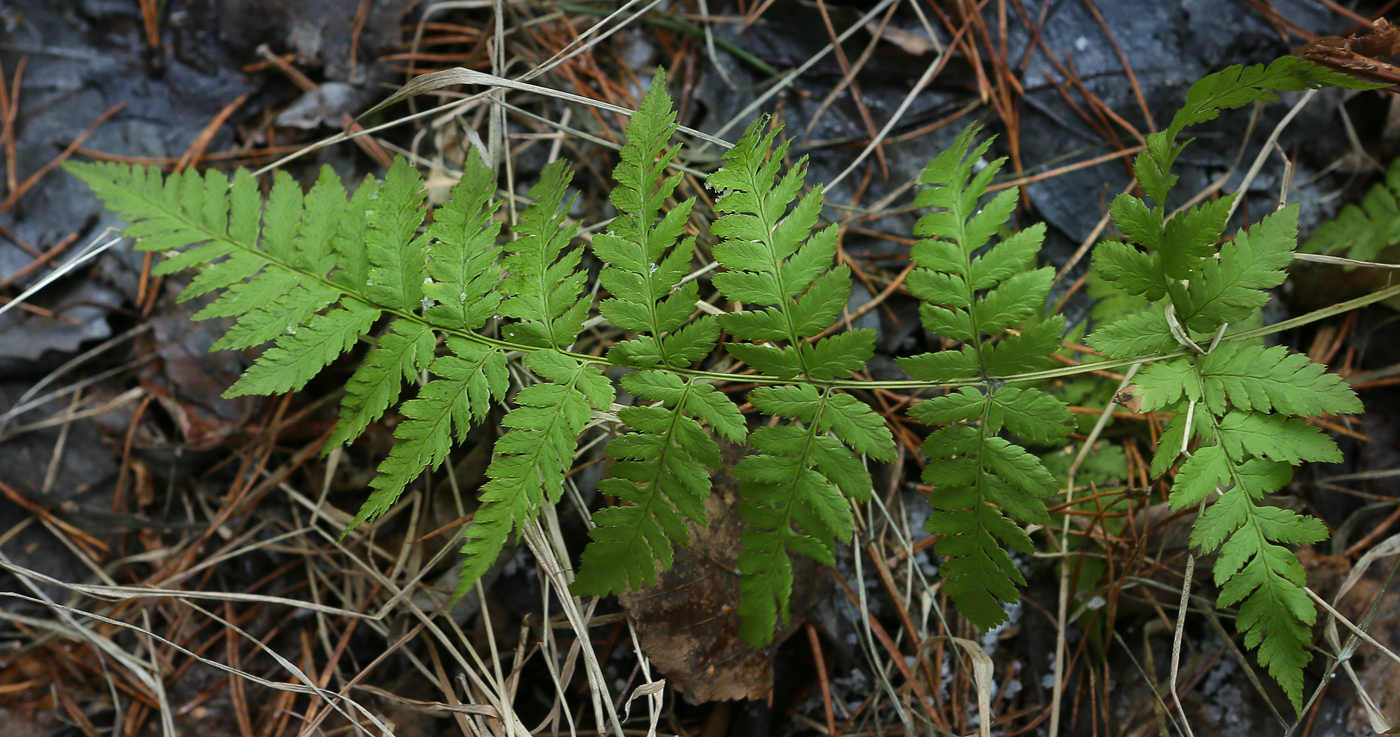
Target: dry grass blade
(1339, 261)
(88, 253)
(1268, 148)
(982, 673)
(929, 73)
(104, 644)
(1061, 618)
(788, 78)
(449, 77)
(598, 686)
(1391, 546)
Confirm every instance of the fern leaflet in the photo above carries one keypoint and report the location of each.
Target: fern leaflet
(805, 470)
(661, 467)
(1240, 394)
(975, 298)
(1363, 231)
(543, 292)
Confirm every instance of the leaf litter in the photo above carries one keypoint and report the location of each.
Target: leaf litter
(263, 510)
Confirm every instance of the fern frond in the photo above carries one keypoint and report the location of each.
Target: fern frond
(274, 267)
(1241, 394)
(1252, 455)
(1363, 231)
(533, 456)
(397, 253)
(544, 283)
(806, 469)
(461, 265)
(405, 349)
(462, 252)
(1228, 89)
(661, 472)
(974, 296)
(1230, 288)
(262, 261)
(1253, 377)
(313, 273)
(467, 381)
(301, 353)
(1137, 334)
(796, 492)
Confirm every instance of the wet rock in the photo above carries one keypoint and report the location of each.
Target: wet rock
(317, 31)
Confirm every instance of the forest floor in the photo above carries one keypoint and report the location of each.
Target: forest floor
(171, 561)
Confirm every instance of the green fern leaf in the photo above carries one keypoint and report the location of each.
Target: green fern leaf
(271, 264)
(1210, 469)
(1136, 335)
(1233, 388)
(801, 479)
(462, 252)
(1230, 288)
(1237, 86)
(1275, 437)
(301, 354)
(313, 273)
(1276, 615)
(403, 351)
(469, 379)
(397, 254)
(1362, 232)
(544, 282)
(1129, 270)
(533, 456)
(979, 476)
(1230, 88)
(1163, 384)
(348, 242)
(1253, 377)
(661, 472)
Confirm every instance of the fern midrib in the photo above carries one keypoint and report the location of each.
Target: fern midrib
(977, 342)
(546, 298)
(982, 470)
(645, 230)
(537, 452)
(1272, 580)
(646, 221)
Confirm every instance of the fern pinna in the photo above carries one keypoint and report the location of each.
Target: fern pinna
(316, 273)
(661, 467)
(1363, 231)
(795, 490)
(1237, 401)
(978, 475)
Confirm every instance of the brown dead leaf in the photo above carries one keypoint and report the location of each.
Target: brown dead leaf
(689, 624)
(189, 381)
(1128, 397)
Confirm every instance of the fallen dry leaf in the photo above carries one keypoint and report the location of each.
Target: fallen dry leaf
(688, 623)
